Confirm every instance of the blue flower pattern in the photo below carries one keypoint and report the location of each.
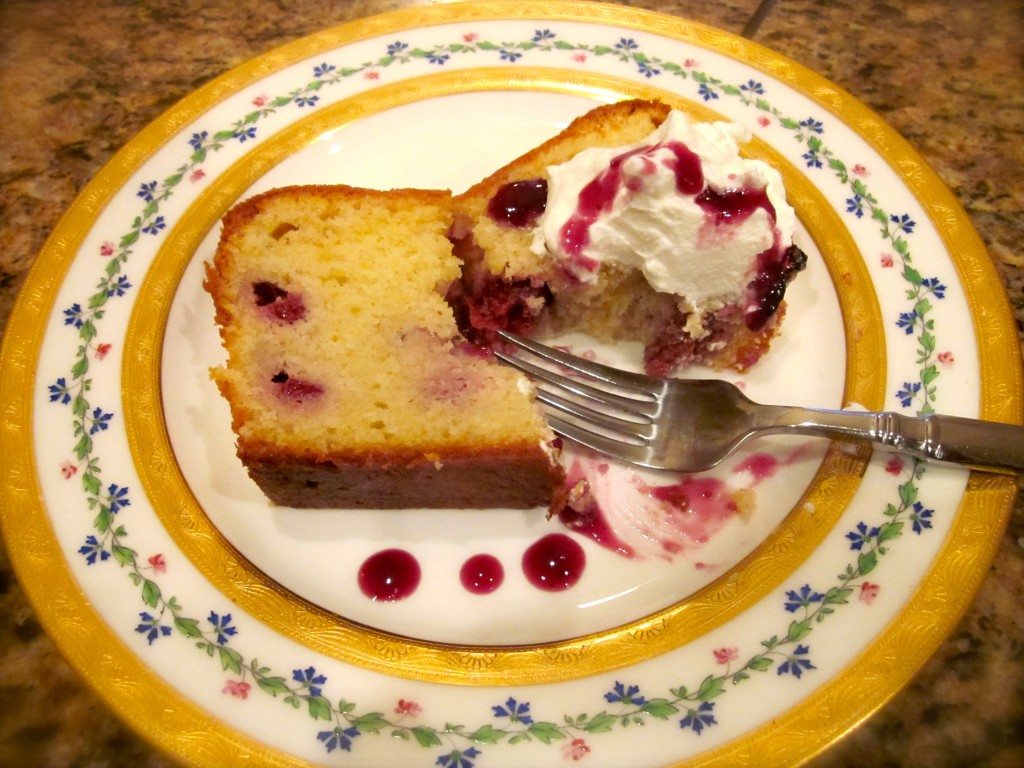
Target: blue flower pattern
(699, 718)
(796, 663)
(151, 627)
(803, 598)
(517, 712)
(308, 678)
(620, 694)
(338, 738)
(222, 628)
(92, 549)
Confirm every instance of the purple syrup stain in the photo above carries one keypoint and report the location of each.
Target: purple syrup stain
(591, 523)
(554, 563)
(276, 303)
(482, 574)
(705, 504)
(582, 514)
(519, 204)
(389, 575)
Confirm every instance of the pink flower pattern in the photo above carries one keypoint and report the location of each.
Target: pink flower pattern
(868, 592)
(946, 358)
(68, 470)
(725, 655)
(237, 688)
(894, 466)
(158, 564)
(886, 260)
(576, 750)
(407, 708)
(106, 249)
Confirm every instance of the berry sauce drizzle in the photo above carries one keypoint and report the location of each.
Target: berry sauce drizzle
(598, 196)
(732, 206)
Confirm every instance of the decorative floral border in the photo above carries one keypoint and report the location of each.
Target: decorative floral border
(457, 746)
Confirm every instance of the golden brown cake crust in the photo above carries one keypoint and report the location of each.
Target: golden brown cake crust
(608, 125)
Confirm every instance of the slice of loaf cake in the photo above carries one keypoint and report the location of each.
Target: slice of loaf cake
(348, 382)
(631, 224)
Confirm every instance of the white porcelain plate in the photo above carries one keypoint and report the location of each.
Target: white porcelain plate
(798, 589)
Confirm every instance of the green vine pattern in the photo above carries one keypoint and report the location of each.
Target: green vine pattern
(459, 746)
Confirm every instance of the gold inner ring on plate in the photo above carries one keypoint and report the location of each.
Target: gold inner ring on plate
(299, 619)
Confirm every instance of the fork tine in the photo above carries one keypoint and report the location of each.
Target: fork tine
(624, 429)
(593, 394)
(637, 383)
(630, 452)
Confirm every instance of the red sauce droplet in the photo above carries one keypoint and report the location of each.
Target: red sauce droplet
(482, 574)
(519, 204)
(554, 563)
(389, 575)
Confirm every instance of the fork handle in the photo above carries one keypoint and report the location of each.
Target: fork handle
(971, 442)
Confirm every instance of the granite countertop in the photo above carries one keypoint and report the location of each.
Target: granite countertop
(80, 78)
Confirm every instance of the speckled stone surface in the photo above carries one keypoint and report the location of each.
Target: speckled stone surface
(78, 79)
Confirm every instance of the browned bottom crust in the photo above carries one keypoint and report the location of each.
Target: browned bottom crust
(460, 483)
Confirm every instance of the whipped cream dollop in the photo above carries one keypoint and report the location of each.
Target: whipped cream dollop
(682, 206)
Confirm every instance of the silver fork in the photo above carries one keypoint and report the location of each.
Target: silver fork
(692, 425)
